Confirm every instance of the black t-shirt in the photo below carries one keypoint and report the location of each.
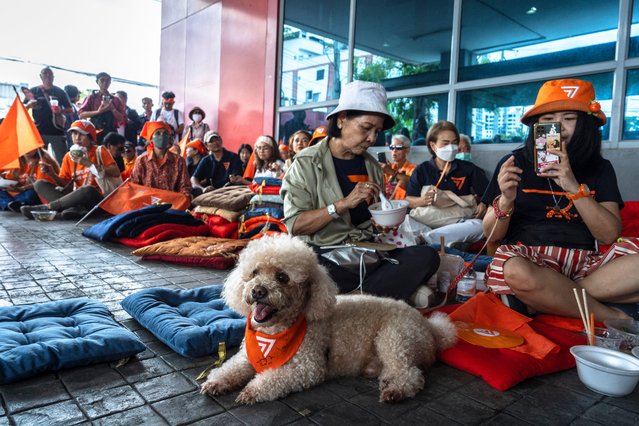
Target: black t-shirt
(464, 178)
(42, 115)
(216, 173)
(536, 221)
(349, 173)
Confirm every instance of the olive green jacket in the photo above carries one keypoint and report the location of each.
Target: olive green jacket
(311, 183)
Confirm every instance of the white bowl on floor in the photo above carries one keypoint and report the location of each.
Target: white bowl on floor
(606, 371)
(44, 215)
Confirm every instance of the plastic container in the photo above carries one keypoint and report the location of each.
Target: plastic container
(393, 217)
(44, 215)
(605, 339)
(606, 371)
(628, 330)
(466, 287)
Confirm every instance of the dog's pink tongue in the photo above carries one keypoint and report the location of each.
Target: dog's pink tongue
(261, 311)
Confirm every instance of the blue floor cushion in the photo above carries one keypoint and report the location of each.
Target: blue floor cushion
(62, 334)
(191, 322)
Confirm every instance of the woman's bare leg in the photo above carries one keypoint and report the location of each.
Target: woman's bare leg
(548, 291)
(616, 281)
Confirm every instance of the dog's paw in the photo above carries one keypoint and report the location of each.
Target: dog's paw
(248, 396)
(211, 387)
(392, 394)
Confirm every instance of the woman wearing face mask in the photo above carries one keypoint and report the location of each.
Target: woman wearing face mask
(198, 127)
(464, 148)
(445, 172)
(158, 167)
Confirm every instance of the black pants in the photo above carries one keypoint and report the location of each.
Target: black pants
(399, 281)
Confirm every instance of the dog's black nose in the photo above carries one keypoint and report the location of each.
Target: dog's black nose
(258, 292)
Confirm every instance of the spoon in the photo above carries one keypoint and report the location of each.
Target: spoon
(386, 205)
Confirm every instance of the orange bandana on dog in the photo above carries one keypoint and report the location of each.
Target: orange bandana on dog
(266, 351)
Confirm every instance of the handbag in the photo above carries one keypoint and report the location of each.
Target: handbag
(106, 183)
(448, 208)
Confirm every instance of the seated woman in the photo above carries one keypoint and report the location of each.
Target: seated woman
(549, 221)
(245, 152)
(444, 172)
(266, 161)
(158, 167)
(75, 190)
(195, 150)
(22, 194)
(397, 174)
(330, 185)
(298, 141)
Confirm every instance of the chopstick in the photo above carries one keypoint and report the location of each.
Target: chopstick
(442, 241)
(587, 317)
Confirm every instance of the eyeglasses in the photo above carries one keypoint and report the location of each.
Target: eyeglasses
(396, 147)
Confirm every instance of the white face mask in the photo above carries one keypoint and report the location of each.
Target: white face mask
(197, 117)
(448, 152)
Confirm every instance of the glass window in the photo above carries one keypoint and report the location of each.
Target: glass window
(314, 50)
(417, 114)
(503, 37)
(633, 48)
(403, 44)
(491, 115)
(308, 119)
(631, 116)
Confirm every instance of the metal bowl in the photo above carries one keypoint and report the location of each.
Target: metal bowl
(628, 330)
(606, 371)
(44, 215)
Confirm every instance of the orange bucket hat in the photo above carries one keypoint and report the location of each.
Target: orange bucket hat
(565, 95)
(319, 134)
(197, 144)
(151, 126)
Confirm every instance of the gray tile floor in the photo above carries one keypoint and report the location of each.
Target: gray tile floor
(40, 262)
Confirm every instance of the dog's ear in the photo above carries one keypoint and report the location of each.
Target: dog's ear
(233, 292)
(322, 294)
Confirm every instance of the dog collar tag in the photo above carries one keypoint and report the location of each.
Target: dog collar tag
(266, 351)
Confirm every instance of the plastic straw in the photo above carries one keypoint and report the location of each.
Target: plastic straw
(591, 335)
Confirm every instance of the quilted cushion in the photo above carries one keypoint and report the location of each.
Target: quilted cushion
(191, 322)
(194, 247)
(234, 198)
(62, 334)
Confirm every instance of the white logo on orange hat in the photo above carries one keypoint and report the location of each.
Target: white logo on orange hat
(571, 91)
(265, 345)
(155, 200)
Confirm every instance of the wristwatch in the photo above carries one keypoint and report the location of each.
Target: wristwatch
(584, 191)
(332, 210)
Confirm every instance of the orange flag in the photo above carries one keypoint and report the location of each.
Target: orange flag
(131, 196)
(183, 142)
(18, 135)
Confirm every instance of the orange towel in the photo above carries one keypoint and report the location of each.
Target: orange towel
(487, 310)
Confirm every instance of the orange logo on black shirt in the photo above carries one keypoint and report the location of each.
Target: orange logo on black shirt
(459, 182)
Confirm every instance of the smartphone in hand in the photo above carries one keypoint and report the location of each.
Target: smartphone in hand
(381, 157)
(547, 142)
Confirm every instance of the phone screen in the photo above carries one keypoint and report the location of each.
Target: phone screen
(547, 141)
(381, 157)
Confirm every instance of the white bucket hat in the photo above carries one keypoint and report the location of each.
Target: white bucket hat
(364, 96)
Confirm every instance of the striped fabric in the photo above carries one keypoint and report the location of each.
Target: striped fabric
(574, 263)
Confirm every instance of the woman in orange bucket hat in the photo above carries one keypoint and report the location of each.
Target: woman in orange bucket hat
(549, 216)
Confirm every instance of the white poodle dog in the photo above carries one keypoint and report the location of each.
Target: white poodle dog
(277, 283)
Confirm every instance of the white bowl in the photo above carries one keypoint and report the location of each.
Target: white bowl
(628, 330)
(606, 371)
(44, 215)
(393, 217)
(635, 351)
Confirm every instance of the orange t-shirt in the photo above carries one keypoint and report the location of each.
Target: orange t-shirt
(24, 172)
(83, 175)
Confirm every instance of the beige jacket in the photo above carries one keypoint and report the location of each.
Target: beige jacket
(311, 183)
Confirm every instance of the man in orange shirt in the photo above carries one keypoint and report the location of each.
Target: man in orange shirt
(75, 189)
(158, 167)
(397, 174)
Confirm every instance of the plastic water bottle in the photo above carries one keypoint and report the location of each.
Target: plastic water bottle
(466, 287)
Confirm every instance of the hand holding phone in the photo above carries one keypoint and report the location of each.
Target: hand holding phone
(381, 157)
(547, 138)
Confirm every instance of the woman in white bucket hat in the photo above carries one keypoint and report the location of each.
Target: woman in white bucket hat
(330, 185)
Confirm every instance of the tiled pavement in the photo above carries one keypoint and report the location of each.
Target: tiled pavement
(40, 262)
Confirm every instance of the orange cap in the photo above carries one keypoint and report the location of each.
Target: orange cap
(85, 127)
(197, 144)
(565, 95)
(151, 126)
(283, 147)
(319, 134)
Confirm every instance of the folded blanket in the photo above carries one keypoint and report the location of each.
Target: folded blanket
(263, 228)
(194, 246)
(266, 190)
(262, 211)
(229, 215)
(268, 181)
(105, 230)
(135, 226)
(164, 232)
(260, 199)
(234, 198)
